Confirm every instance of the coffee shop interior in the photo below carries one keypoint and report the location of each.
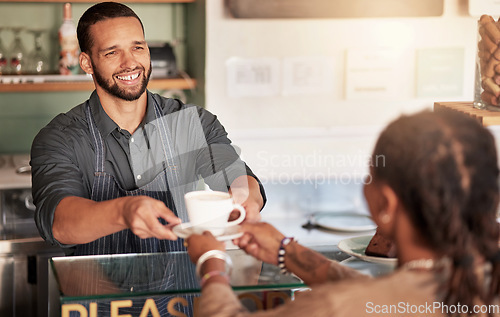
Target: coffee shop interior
(303, 90)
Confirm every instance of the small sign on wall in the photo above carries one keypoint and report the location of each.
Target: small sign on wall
(307, 75)
(371, 74)
(252, 77)
(440, 72)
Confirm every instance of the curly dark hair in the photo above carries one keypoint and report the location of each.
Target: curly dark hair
(443, 167)
(100, 12)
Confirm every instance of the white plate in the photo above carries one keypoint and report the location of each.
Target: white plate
(184, 230)
(356, 247)
(344, 221)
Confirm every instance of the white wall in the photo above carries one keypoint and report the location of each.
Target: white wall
(300, 135)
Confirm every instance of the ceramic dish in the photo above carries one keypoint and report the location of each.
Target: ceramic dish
(356, 247)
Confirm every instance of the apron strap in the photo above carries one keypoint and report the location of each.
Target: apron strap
(99, 144)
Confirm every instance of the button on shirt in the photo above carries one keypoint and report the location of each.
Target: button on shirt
(146, 162)
(63, 156)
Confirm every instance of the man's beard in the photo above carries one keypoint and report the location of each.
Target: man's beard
(113, 89)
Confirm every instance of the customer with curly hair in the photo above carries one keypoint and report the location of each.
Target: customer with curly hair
(436, 197)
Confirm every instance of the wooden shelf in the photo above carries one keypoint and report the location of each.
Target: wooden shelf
(27, 83)
(296, 9)
(161, 84)
(486, 117)
(90, 1)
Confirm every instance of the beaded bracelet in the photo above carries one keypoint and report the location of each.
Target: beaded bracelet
(281, 254)
(211, 274)
(217, 254)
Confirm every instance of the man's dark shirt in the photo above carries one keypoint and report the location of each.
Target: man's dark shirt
(63, 155)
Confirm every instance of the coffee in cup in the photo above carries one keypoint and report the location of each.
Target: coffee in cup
(210, 210)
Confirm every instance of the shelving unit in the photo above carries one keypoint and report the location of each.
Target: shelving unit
(486, 117)
(28, 104)
(87, 85)
(90, 1)
(163, 84)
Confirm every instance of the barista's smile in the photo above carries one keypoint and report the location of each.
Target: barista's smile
(128, 78)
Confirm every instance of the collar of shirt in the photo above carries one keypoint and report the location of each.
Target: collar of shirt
(106, 125)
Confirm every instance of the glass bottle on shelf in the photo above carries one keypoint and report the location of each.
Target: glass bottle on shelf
(17, 53)
(68, 60)
(38, 61)
(4, 64)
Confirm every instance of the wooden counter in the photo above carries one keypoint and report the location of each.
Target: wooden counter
(486, 117)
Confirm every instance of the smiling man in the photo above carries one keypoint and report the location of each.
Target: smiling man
(110, 174)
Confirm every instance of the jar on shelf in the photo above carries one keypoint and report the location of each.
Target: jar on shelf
(487, 74)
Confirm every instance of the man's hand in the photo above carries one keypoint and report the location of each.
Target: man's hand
(141, 215)
(79, 220)
(246, 192)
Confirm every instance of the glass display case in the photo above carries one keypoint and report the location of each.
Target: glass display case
(165, 284)
(161, 284)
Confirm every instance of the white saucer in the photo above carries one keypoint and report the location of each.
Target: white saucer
(345, 221)
(185, 229)
(356, 247)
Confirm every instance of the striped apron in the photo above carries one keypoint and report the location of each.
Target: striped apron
(164, 187)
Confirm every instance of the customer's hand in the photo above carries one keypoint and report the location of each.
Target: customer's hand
(197, 244)
(261, 240)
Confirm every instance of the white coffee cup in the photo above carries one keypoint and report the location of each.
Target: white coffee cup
(210, 210)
